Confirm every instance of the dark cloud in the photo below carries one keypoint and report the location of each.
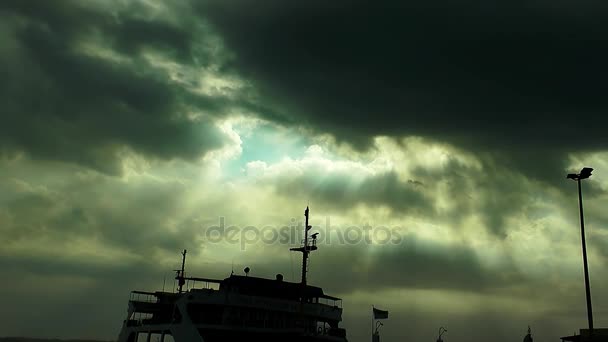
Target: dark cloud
(518, 84)
(80, 267)
(83, 209)
(342, 190)
(348, 262)
(133, 219)
(72, 285)
(127, 27)
(411, 264)
(61, 102)
(521, 78)
(491, 192)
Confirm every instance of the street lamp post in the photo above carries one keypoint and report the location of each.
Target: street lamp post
(585, 173)
(442, 330)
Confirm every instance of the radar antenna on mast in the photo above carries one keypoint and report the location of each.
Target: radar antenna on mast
(306, 247)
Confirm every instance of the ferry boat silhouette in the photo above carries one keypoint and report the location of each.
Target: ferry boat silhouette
(241, 307)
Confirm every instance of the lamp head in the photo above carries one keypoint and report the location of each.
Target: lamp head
(585, 172)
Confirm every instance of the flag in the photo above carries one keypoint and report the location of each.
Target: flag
(380, 314)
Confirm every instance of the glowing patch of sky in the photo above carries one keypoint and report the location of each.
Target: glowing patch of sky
(264, 143)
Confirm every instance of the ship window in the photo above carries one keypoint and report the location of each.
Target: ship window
(168, 338)
(254, 317)
(322, 328)
(234, 316)
(260, 318)
(142, 336)
(141, 317)
(155, 337)
(205, 313)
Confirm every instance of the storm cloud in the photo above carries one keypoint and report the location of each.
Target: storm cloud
(80, 85)
(524, 79)
(128, 128)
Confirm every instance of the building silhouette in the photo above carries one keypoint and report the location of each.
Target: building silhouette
(528, 337)
(585, 335)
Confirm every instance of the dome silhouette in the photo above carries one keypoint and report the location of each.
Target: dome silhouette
(528, 337)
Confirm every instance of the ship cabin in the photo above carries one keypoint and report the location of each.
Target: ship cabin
(278, 289)
(262, 303)
(241, 302)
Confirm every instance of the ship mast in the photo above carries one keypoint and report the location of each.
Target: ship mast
(180, 273)
(306, 248)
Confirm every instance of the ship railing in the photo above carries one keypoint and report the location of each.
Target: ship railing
(141, 296)
(202, 283)
(331, 301)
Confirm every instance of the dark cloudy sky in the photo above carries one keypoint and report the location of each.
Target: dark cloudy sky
(128, 128)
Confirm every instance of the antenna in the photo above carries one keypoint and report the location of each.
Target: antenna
(232, 271)
(306, 248)
(180, 273)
